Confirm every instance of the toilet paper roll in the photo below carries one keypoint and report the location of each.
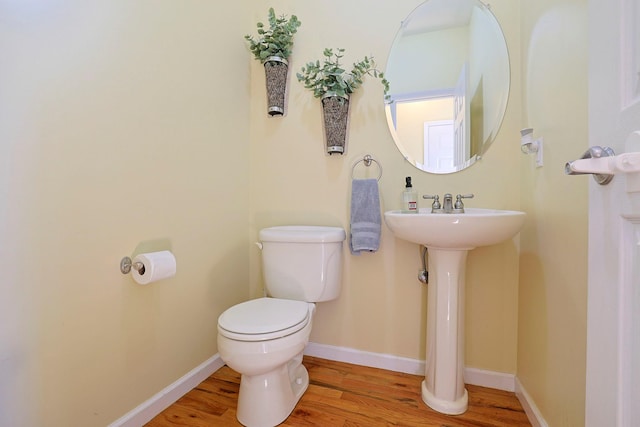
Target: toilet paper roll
(156, 266)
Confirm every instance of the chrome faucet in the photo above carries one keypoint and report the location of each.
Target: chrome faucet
(436, 207)
(448, 206)
(459, 206)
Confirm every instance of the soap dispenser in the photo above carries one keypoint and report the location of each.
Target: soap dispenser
(409, 198)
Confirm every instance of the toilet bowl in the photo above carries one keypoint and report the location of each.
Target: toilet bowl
(263, 339)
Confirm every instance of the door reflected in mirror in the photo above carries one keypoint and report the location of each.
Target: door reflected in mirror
(449, 75)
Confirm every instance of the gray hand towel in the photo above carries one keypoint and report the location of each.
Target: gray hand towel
(365, 216)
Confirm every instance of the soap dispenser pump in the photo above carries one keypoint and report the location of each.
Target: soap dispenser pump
(409, 198)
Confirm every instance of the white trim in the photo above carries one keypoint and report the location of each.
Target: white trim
(365, 358)
(143, 413)
(492, 379)
(530, 408)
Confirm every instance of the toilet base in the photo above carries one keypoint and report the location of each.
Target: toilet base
(267, 400)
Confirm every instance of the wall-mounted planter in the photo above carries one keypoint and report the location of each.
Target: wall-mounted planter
(330, 82)
(335, 114)
(272, 47)
(276, 72)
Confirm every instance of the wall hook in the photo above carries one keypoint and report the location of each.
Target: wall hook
(530, 146)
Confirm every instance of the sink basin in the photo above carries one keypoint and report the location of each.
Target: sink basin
(476, 227)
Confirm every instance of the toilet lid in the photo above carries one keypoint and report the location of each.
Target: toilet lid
(264, 318)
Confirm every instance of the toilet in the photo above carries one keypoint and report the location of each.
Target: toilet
(263, 339)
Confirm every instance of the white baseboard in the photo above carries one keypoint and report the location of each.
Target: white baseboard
(492, 379)
(365, 358)
(530, 408)
(163, 399)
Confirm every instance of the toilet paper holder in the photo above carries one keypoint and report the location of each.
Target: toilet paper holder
(126, 264)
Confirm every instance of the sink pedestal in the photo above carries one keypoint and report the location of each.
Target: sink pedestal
(443, 388)
(449, 237)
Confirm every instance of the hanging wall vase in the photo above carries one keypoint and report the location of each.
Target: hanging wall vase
(330, 82)
(276, 72)
(335, 114)
(272, 46)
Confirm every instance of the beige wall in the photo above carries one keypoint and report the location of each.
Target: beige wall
(123, 127)
(382, 307)
(553, 268)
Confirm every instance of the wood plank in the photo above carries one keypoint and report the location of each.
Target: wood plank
(345, 395)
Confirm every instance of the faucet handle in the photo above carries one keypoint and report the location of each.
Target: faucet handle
(435, 206)
(459, 206)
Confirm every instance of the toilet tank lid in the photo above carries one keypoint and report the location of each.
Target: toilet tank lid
(302, 234)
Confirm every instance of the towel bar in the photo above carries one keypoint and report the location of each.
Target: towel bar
(367, 159)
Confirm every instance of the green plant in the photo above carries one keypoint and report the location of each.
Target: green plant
(277, 40)
(330, 79)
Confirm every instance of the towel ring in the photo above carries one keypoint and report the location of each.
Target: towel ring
(367, 159)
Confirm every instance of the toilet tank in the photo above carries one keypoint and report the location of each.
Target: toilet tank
(302, 262)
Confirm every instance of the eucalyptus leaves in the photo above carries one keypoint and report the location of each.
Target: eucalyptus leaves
(277, 40)
(328, 78)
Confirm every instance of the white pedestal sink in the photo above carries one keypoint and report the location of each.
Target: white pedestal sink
(449, 237)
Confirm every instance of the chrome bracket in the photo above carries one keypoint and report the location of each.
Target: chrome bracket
(126, 264)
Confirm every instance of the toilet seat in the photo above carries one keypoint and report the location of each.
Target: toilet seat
(264, 319)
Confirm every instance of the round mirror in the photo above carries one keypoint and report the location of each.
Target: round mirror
(449, 74)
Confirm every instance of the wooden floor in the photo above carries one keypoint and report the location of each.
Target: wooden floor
(341, 394)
